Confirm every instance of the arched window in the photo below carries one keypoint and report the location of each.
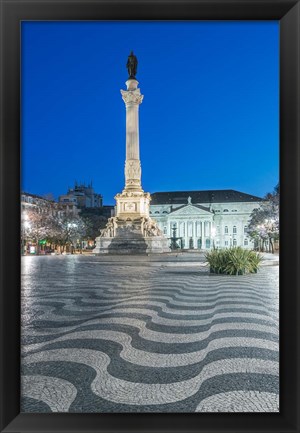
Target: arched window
(234, 242)
(245, 229)
(207, 243)
(225, 210)
(245, 241)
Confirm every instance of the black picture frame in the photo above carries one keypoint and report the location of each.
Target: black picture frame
(288, 13)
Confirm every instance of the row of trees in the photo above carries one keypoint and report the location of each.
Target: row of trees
(264, 222)
(61, 231)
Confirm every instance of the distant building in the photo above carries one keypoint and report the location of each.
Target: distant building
(36, 203)
(205, 219)
(82, 197)
(32, 204)
(68, 204)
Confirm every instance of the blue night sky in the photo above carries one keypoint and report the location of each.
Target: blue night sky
(209, 118)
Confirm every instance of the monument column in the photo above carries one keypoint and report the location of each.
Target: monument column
(132, 98)
(131, 230)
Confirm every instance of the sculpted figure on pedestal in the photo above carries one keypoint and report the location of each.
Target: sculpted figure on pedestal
(109, 230)
(132, 65)
(150, 228)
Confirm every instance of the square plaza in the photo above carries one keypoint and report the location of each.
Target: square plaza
(147, 334)
(136, 327)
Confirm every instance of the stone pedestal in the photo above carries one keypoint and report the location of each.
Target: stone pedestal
(133, 204)
(132, 231)
(133, 235)
(137, 245)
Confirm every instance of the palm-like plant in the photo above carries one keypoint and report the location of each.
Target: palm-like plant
(233, 261)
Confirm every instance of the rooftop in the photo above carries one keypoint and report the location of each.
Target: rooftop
(208, 196)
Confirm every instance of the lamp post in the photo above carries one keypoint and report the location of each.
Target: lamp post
(25, 225)
(213, 235)
(269, 224)
(70, 227)
(260, 227)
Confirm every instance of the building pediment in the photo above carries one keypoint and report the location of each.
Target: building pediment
(191, 210)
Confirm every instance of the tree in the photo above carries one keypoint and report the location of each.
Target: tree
(69, 230)
(95, 220)
(45, 223)
(264, 221)
(37, 226)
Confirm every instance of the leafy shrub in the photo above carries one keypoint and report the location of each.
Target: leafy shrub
(233, 261)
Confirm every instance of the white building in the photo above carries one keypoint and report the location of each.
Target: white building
(204, 219)
(36, 203)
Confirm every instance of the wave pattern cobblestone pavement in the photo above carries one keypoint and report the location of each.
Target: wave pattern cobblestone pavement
(100, 336)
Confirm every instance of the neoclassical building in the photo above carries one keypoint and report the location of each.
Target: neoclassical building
(204, 219)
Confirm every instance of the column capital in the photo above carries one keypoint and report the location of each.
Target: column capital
(132, 96)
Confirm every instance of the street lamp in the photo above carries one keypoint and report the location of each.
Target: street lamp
(25, 226)
(213, 234)
(70, 226)
(270, 229)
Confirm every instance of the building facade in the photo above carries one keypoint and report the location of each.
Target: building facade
(32, 202)
(205, 219)
(82, 196)
(68, 204)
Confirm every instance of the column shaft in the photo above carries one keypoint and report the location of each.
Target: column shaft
(132, 132)
(132, 98)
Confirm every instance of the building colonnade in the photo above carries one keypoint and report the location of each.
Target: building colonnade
(194, 233)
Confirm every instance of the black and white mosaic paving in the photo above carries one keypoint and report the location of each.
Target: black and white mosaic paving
(120, 336)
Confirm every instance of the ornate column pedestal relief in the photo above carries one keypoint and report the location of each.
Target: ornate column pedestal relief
(132, 231)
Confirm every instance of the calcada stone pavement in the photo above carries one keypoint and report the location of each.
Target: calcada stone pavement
(147, 335)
